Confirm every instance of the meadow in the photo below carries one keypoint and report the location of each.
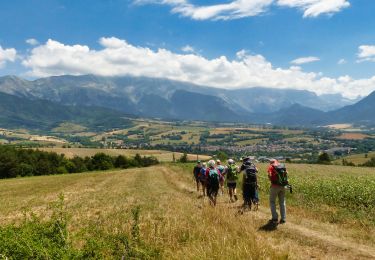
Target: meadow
(159, 214)
(163, 156)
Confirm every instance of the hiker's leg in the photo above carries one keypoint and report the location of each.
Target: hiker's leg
(214, 194)
(235, 191)
(282, 203)
(256, 196)
(273, 195)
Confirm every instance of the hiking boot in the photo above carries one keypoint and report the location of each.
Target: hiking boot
(235, 197)
(282, 221)
(273, 221)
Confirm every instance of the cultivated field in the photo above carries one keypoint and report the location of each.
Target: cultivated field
(330, 214)
(163, 156)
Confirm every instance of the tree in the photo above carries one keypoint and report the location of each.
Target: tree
(183, 158)
(102, 161)
(222, 156)
(137, 160)
(121, 162)
(324, 158)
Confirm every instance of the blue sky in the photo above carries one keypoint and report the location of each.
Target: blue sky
(229, 44)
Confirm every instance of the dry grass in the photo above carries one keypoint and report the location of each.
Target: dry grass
(174, 220)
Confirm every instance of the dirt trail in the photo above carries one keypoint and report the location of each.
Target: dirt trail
(327, 243)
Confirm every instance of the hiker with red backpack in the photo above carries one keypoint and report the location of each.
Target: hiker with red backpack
(213, 178)
(232, 171)
(278, 176)
(249, 184)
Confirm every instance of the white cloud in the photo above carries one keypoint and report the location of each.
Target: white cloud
(32, 41)
(366, 53)
(117, 58)
(188, 48)
(314, 8)
(246, 8)
(342, 62)
(304, 60)
(7, 55)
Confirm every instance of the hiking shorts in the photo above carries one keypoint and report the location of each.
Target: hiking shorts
(231, 185)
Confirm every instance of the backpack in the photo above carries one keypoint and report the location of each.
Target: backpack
(232, 174)
(213, 177)
(282, 175)
(202, 174)
(250, 174)
(221, 169)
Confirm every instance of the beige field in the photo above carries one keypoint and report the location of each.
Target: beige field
(353, 136)
(340, 126)
(163, 156)
(176, 221)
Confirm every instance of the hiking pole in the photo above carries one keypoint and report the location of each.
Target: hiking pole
(290, 188)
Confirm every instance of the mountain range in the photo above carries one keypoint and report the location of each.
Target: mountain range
(168, 99)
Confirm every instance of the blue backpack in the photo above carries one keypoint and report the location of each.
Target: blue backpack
(202, 174)
(214, 177)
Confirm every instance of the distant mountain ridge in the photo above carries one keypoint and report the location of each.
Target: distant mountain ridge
(168, 99)
(18, 112)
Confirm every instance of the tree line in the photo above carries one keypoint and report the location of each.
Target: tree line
(16, 162)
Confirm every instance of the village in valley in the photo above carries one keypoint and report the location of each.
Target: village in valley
(259, 141)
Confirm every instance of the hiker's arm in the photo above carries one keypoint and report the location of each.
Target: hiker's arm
(269, 171)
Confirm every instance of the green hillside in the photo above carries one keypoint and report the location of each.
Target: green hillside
(16, 112)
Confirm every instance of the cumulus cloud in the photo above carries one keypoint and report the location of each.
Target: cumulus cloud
(7, 55)
(32, 41)
(246, 8)
(314, 8)
(187, 49)
(117, 57)
(304, 60)
(366, 53)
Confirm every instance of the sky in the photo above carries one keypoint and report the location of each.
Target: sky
(325, 46)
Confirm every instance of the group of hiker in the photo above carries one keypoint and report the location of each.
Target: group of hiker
(211, 177)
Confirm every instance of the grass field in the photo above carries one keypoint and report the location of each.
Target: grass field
(357, 158)
(163, 156)
(322, 221)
